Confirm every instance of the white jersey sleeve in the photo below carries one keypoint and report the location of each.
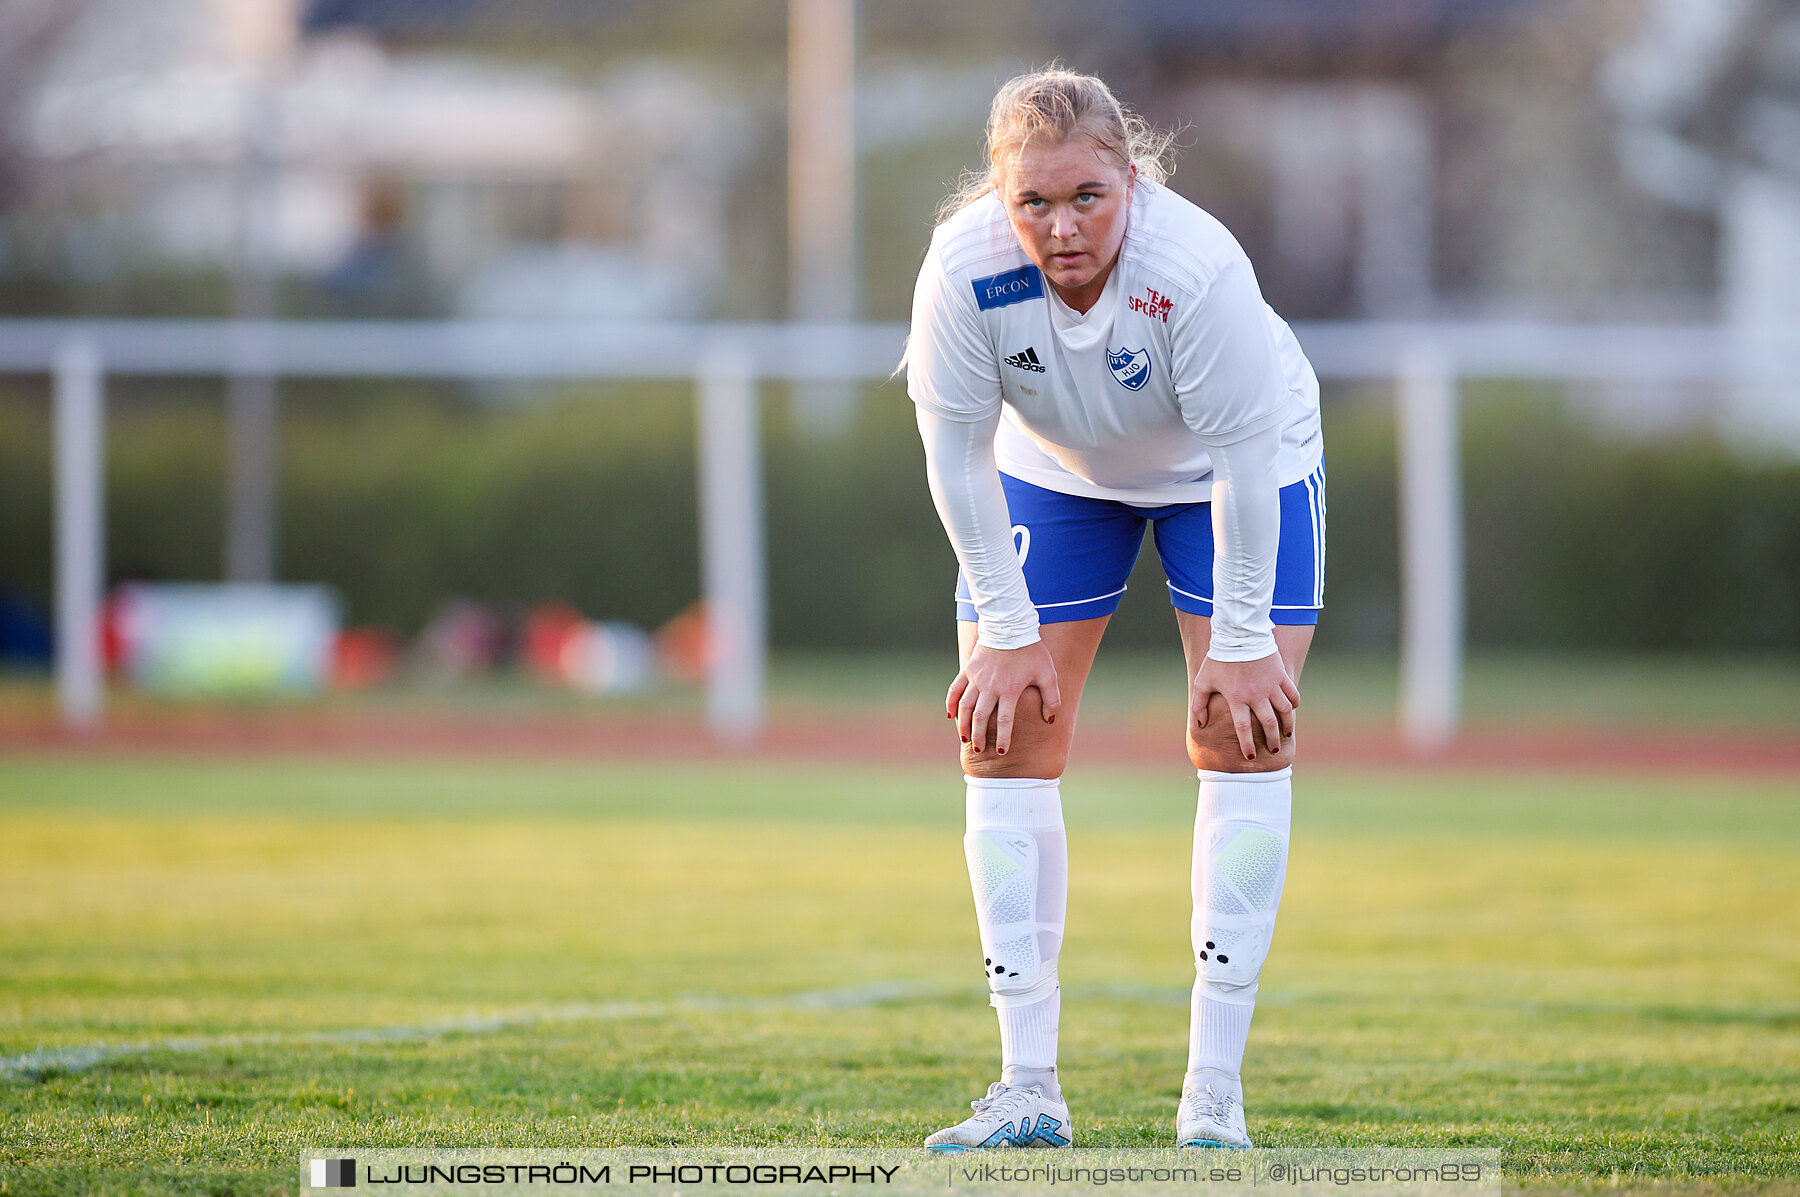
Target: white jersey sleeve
(1232, 386)
(1246, 519)
(965, 485)
(954, 379)
(1227, 368)
(951, 368)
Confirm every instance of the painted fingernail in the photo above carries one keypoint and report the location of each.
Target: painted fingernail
(1002, 752)
(1049, 718)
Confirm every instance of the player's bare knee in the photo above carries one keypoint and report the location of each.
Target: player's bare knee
(1216, 746)
(1029, 755)
(1223, 754)
(1037, 748)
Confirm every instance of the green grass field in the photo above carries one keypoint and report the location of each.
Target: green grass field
(1600, 976)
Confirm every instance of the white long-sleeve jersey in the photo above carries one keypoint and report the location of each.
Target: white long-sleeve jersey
(1180, 385)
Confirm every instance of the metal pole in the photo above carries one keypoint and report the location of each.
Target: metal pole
(253, 454)
(80, 532)
(733, 573)
(1431, 610)
(822, 282)
(252, 449)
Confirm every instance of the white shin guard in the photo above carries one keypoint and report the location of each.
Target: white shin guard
(1018, 855)
(1240, 863)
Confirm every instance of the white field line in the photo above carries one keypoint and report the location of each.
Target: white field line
(34, 1064)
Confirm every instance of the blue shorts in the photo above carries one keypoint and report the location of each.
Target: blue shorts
(1077, 552)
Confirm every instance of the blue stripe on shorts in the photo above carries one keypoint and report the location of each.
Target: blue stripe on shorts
(1077, 552)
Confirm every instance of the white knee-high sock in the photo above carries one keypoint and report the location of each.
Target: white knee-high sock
(1240, 863)
(1018, 855)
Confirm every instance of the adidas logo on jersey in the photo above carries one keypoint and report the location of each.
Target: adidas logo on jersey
(1028, 360)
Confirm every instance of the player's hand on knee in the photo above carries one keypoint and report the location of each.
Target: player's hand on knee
(987, 691)
(1259, 694)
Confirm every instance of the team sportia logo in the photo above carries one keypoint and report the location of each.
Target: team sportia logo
(1153, 303)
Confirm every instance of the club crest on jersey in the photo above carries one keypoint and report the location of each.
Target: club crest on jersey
(1130, 366)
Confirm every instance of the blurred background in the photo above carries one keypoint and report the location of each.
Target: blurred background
(1536, 164)
(436, 402)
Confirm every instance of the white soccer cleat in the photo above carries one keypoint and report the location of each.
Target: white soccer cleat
(1212, 1113)
(1009, 1116)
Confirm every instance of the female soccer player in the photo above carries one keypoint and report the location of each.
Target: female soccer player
(1090, 351)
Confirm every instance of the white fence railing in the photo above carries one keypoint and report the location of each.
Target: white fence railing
(728, 361)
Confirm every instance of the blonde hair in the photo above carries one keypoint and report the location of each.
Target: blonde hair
(1049, 106)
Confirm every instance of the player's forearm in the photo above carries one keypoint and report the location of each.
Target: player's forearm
(965, 486)
(1246, 511)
